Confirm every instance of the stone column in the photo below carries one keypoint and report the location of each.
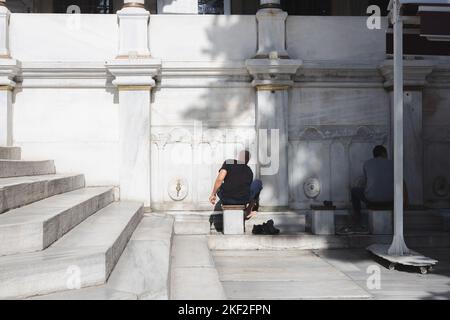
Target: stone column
(8, 70)
(414, 74)
(4, 30)
(272, 80)
(134, 73)
(272, 72)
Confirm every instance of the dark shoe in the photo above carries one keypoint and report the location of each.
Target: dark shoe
(360, 230)
(258, 229)
(270, 229)
(353, 230)
(345, 231)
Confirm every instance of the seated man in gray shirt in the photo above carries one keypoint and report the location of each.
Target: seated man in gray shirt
(378, 190)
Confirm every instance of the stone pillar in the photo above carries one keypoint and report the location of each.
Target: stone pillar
(4, 30)
(272, 80)
(414, 75)
(272, 73)
(271, 30)
(8, 70)
(134, 73)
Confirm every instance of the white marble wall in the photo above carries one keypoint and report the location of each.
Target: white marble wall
(436, 124)
(203, 37)
(313, 38)
(63, 37)
(66, 109)
(193, 131)
(76, 127)
(332, 131)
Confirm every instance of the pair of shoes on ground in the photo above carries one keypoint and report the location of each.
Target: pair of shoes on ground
(267, 228)
(353, 230)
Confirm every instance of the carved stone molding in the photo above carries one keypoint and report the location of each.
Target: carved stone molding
(349, 133)
(9, 68)
(415, 73)
(338, 74)
(273, 74)
(136, 72)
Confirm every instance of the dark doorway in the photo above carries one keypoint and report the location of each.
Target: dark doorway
(86, 6)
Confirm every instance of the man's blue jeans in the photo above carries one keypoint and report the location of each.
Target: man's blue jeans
(255, 191)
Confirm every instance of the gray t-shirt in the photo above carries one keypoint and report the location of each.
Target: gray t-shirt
(379, 175)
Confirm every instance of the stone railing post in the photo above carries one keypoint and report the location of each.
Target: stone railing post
(134, 72)
(8, 70)
(271, 29)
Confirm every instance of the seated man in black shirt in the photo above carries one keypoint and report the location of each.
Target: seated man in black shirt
(234, 185)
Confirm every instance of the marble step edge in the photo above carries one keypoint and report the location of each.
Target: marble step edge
(206, 215)
(10, 153)
(19, 191)
(67, 265)
(313, 242)
(18, 168)
(134, 277)
(36, 226)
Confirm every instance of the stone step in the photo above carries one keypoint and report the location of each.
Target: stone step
(143, 270)
(19, 191)
(313, 242)
(36, 226)
(19, 168)
(196, 223)
(413, 221)
(287, 222)
(10, 153)
(84, 257)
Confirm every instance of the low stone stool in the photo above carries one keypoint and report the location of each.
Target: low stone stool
(322, 220)
(233, 219)
(380, 221)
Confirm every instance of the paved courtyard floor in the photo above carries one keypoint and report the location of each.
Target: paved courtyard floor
(326, 274)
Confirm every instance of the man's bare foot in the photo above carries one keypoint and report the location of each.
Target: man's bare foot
(251, 215)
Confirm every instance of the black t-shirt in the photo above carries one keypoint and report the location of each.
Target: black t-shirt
(238, 180)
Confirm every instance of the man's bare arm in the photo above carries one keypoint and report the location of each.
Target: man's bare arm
(217, 184)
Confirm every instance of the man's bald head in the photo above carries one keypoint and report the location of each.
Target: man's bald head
(244, 156)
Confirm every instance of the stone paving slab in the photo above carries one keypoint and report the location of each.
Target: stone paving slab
(191, 251)
(144, 267)
(283, 275)
(294, 290)
(94, 293)
(196, 284)
(194, 275)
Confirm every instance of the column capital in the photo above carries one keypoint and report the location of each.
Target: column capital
(135, 74)
(415, 73)
(9, 68)
(273, 74)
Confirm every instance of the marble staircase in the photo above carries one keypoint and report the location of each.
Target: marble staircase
(56, 234)
(19, 168)
(10, 153)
